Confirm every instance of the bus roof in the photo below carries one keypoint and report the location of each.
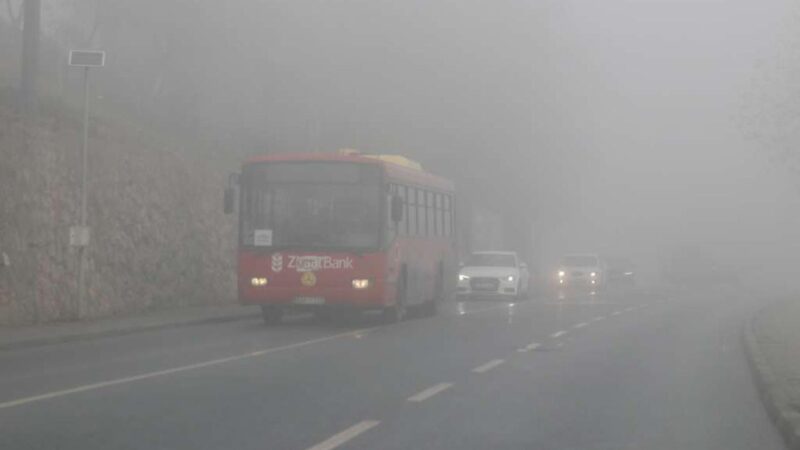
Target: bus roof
(407, 174)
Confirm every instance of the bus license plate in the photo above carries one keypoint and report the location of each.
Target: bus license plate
(309, 301)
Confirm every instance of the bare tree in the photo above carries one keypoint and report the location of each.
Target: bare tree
(771, 112)
(14, 17)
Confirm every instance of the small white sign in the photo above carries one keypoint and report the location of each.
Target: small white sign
(87, 58)
(262, 238)
(78, 236)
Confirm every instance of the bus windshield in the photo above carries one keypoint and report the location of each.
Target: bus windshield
(311, 205)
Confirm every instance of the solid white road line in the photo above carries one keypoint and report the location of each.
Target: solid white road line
(488, 366)
(558, 334)
(430, 392)
(580, 325)
(347, 435)
(160, 373)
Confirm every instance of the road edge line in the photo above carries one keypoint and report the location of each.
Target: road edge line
(157, 373)
(91, 336)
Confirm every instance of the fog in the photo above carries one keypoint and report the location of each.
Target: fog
(624, 126)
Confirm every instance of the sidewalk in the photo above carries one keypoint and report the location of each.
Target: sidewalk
(38, 335)
(772, 341)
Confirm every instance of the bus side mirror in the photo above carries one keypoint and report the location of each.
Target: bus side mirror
(397, 209)
(228, 206)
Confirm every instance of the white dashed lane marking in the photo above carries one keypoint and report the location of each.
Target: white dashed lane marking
(349, 434)
(430, 392)
(488, 366)
(530, 347)
(558, 334)
(580, 325)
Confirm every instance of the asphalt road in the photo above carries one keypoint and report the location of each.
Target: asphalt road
(614, 371)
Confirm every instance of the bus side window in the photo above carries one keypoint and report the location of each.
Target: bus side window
(422, 224)
(431, 215)
(403, 225)
(412, 211)
(447, 229)
(439, 229)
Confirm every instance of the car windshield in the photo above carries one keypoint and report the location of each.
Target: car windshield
(311, 206)
(491, 260)
(579, 261)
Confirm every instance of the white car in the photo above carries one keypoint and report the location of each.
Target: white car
(493, 274)
(582, 270)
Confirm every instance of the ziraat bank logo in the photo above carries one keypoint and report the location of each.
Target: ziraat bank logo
(313, 263)
(277, 262)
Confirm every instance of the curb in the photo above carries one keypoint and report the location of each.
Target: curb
(51, 340)
(785, 418)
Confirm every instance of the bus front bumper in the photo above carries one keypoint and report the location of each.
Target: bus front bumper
(345, 298)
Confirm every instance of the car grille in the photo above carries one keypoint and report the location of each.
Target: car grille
(484, 284)
(577, 274)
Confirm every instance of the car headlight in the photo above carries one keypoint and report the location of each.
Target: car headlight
(462, 277)
(561, 273)
(258, 281)
(593, 274)
(360, 283)
(510, 278)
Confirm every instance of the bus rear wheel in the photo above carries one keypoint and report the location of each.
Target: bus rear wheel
(397, 312)
(271, 314)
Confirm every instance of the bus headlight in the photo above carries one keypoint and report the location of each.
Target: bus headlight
(462, 277)
(360, 283)
(561, 273)
(510, 278)
(258, 281)
(593, 274)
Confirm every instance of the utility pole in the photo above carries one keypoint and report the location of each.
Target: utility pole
(79, 235)
(32, 13)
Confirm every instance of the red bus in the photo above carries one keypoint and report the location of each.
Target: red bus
(343, 231)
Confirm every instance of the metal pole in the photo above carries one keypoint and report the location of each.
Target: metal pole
(84, 158)
(30, 54)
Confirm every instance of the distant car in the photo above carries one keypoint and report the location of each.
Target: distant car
(620, 271)
(493, 274)
(582, 270)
